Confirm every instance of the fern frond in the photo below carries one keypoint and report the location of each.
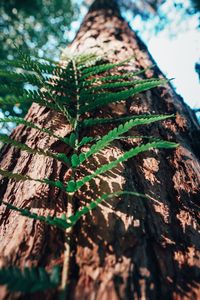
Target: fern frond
(48, 60)
(112, 135)
(58, 184)
(21, 77)
(29, 64)
(93, 204)
(53, 221)
(99, 121)
(118, 84)
(21, 121)
(152, 138)
(32, 66)
(30, 280)
(95, 70)
(10, 89)
(63, 223)
(112, 78)
(28, 98)
(73, 186)
(7, 140)
(19, 177)
(87, 61)
(99, 100)
(12, 100)
(85, 140)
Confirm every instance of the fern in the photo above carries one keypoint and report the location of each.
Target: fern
(76, 88)
(112, 78)
(73, 186)
(54, 221)
(17, 176)
(118, 84)
(95, 70)
(21, 77)
(99, 121)
(28, 63)
(20, 177)
(103, 99)
(30, 280)
(118, 77)
(21, 121)
(112, 135)
(93, 204)
(28, 98)
(60, 156)
(62, 222)
(85, 140)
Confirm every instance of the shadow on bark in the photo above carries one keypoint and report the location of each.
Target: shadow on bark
(158, 237)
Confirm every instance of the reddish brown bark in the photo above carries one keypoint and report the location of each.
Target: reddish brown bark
(127, 248)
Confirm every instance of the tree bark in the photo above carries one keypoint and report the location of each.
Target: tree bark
(127, 248)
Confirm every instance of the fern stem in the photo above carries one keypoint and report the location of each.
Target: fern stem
(70, 208)
(77, 94)
(67, 246)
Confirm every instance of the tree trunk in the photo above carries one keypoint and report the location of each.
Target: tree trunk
(127, 248)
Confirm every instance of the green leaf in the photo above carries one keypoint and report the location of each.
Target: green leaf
(27, 98)
(89, 61)
(63, 158)
(98, 121)
(94, 70)
(71, 186)
(127, 155)
(93, 204)
(72, 139)
(21, 77)
(21, 121)
(113, 78)
(64, 223)
(60, 156)
(13, 100)
(30, 280)
(19, 177)
(116, 132)
(114, 85)
(99, 100)
(26, 62)
(75, 160)
(58, 184)
(7, 140)
(85, 140)
(49, 220)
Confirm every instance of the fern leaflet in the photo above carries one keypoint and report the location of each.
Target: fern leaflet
(30, 280)
(73, 186)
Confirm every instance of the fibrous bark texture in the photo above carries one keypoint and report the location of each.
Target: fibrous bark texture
(128, 248)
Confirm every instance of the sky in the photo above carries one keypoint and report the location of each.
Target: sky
(177, 59)
(175, 49)
(176, 53)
